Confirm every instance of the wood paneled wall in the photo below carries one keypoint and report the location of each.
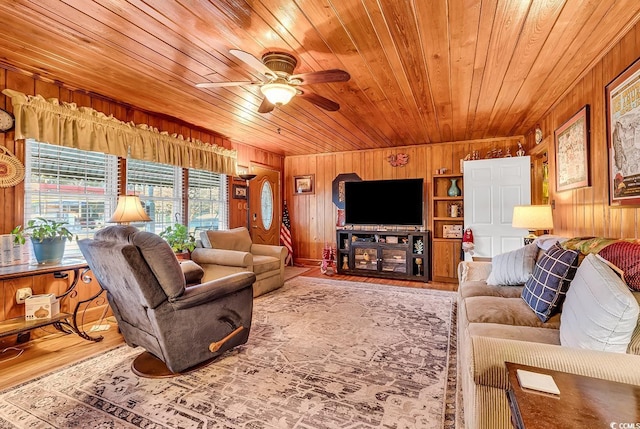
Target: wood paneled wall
(313, 216)
(586, 211)
(12, 199)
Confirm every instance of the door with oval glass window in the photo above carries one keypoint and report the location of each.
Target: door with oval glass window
(264, 205)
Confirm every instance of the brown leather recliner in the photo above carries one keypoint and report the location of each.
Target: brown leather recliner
(179, 325)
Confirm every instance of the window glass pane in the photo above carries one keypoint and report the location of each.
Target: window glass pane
(159, 187)
(71, 185)
(266, 205)
(208, 207)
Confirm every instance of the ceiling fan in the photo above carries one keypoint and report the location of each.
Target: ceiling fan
(279, 85)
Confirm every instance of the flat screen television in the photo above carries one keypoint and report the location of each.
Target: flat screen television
(384, 202)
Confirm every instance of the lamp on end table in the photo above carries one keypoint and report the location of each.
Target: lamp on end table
(129, 209)
(532, 218)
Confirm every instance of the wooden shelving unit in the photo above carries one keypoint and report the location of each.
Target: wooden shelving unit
(445, 250)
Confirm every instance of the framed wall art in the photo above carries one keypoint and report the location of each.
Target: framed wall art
(303, 184)
(572, 152)
(239, 192)
(623, 127)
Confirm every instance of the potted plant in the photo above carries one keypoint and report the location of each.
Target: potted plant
(178, 237)
(47, 236)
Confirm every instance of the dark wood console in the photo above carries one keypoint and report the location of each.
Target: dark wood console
(391, 254)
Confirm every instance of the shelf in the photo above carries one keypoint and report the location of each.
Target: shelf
(447, 176)
(390, 260)
(460, 198)
(18, 325)
(445, 251)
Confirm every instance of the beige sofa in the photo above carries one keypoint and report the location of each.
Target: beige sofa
(221, 253)
(495, 326)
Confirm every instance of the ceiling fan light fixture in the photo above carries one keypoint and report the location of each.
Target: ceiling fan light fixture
(278, 93)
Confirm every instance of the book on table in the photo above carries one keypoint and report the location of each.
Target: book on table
(536, 381)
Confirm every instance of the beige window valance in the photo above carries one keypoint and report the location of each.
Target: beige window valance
(66, 124)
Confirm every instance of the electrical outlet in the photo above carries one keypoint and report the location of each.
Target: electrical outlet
(22, 294)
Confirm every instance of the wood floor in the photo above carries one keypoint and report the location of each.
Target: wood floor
(57, 350)
(315, 272)
(50, 352)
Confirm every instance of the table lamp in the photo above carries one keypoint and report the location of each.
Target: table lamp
(532, 218)
(129, 209)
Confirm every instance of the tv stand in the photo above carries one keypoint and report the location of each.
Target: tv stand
(388, 254)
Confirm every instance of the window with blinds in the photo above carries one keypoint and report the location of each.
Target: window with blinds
(159, 187)
(81, 188)
(208, 208)
(75, 186)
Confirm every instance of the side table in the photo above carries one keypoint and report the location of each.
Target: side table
(64, 322)
(584, 402)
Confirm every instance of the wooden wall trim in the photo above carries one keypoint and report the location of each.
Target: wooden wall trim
(13, 197)
(586, 211)
(313, 217)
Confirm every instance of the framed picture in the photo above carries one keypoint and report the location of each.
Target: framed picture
(623, 112)
(572, 152)
(239, 192)
(303, 184)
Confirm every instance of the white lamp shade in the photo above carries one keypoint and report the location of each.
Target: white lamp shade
(532, 218)
(129, 209)
(278, 93)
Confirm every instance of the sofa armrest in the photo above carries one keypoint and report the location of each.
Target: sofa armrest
(233, 258)
(212, 290)
(488, 357)
(473, 271)
(279, 252)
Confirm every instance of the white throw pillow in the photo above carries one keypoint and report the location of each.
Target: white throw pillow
(599, 312)
(546, 241)
(513, 268)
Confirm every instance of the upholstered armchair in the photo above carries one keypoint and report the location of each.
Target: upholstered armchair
(232, 251)
(177, 325)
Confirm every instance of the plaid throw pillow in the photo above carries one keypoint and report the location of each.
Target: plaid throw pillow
(546, 288)
(626, 257)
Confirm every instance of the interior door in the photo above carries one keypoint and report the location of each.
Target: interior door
(492, 187)
(264, 205)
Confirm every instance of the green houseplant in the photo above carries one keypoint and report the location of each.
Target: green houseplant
(178, 237)
(47, 236)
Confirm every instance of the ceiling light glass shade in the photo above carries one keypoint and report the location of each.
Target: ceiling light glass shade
(129, 209)
(532, 218)
(278, 93)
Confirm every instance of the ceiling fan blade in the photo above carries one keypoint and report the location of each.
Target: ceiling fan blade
(221, 84)
(265, 106)
(323, 76)
(249, 59)
(320, 101)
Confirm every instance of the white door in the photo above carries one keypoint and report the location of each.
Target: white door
(491, 188)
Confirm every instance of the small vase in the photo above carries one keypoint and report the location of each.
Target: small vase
(453, 191)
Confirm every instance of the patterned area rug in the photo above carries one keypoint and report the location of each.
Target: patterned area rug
(322, 354)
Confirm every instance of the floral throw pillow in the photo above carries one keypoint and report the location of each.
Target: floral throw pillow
(545, 290)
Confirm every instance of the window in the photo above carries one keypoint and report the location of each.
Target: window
(208, 208)
(71, 185)
(159, 187)
(81, 188)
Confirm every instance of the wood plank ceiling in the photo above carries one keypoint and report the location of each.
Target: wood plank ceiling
(421, 71)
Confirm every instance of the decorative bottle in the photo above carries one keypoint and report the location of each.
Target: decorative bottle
(453, 191)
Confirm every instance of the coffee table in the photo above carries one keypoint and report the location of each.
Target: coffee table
(584, 402)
